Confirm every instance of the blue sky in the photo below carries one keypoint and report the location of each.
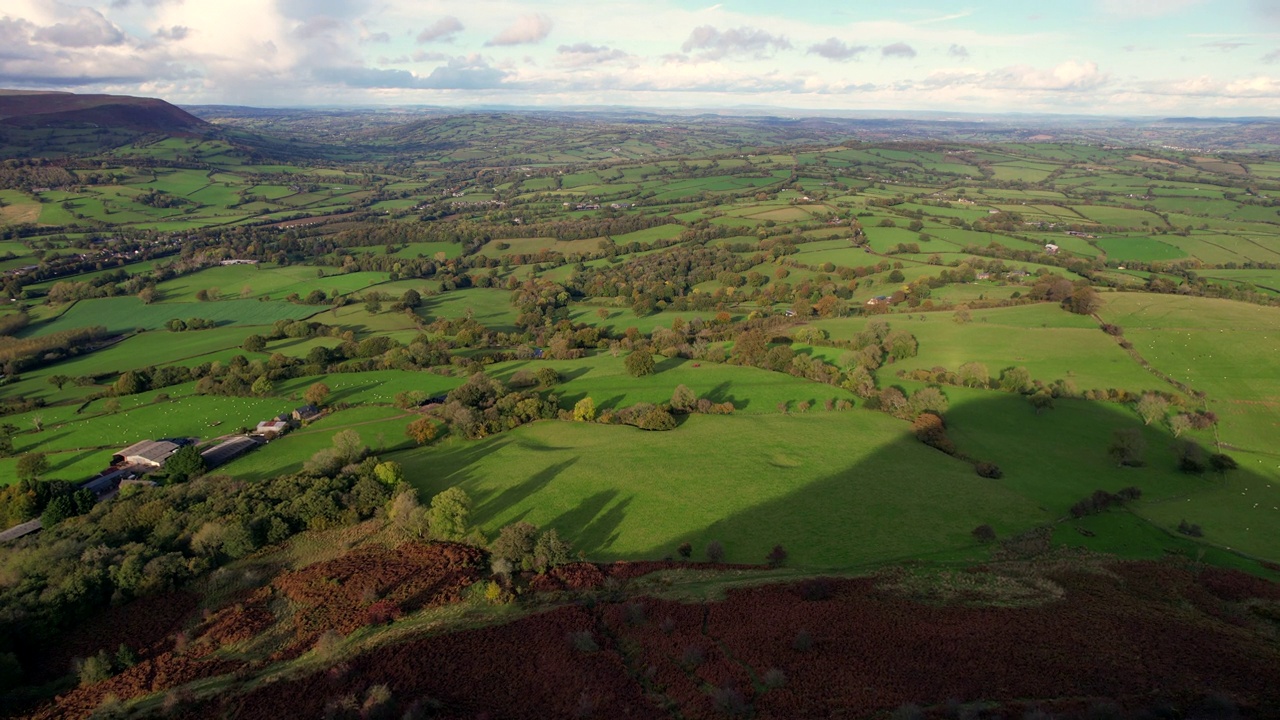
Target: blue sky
(1127, 57)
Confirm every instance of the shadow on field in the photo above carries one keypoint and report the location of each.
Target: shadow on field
(493, 505)
(720, 393)
(73, 459)
(904, 499)
(591, 528)
(350, 391)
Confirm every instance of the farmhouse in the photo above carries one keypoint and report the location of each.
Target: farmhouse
(879, 300)
(146, 454)
(306, 413)
(1051, 249)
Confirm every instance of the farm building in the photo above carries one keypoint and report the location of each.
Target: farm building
(306, 413)
(1051, 249)
(227, 450)
(879, 300)
(272, 428)
(148, 453)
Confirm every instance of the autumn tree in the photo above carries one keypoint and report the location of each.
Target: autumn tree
(1152, 407)
(421, 431)
(584, 410)
(32, 466)
(316, 394)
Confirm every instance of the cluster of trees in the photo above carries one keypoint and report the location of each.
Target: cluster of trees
(155, 539)
(17, 354)
(31, 498)
(483, 406)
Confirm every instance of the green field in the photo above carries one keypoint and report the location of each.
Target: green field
(125, 314)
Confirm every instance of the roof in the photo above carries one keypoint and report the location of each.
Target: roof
(228, 449)
(156, 451)
(308, 410)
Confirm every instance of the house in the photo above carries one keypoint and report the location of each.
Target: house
(272, 428)
(879, 300)
(147, 454)
(1051, 249)
(306, 413)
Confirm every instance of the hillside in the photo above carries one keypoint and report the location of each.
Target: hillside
(66, 110)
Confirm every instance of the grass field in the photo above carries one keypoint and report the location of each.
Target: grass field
(124, 314)
(748, 481)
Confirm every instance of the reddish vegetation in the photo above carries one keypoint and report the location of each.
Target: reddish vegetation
(146, 625)
(372, 584)
(56, 109)
(241, 621)
(589, 576)
(528, 669)
(1138, 634)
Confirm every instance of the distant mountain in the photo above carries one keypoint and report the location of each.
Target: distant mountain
(40, 110)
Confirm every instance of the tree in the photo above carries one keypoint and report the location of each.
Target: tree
(1127, 447)
(184, 464)
(450, 514)
(1179, 424)
(584, 410)
(262, 386)
(421, 431)
(349, 447)
(515, 544)
(254, 344)
(928, 399)
(656, 419)
(640, 363)
(974, 375)
(407, 515)
(750, 347)
(1083, 301)
(685, 550)
(59, 508)
(683, 399)
(1041, 401)
(389, 473)
(1015, 379)
(32, 465)
(777, 556)
(1152, 407)
(715, 551)
(58, 380)
(547, 376)
(316, 394)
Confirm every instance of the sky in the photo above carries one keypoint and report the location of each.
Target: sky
(1094, 57)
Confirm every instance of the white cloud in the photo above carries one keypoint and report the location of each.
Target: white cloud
(898, 50)
(442, 30)
(742, 41)
(526, 29)
(836, 49)
(1144, 8)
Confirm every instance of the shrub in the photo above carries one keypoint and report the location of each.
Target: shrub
(715, 551)
(1191, 457)
(989, 470)
(685, 550)
(1222, 461)
(984, 533)
(640, 363)
(583, 640)
(1190, 529)
(803, 641)
(777, 556)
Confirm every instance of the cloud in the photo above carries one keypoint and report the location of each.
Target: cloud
(378, 37)
(898, 50)
(1069, 76)
(958, 51)
(441, 30)
(87, 29)
(462, 73)
(1272, 57)
(527, 29)
(1268, 10)
(743, 41)
(836, 49)
(173, 34)
(1144, 8)
(584, 54)
(1226, 45)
